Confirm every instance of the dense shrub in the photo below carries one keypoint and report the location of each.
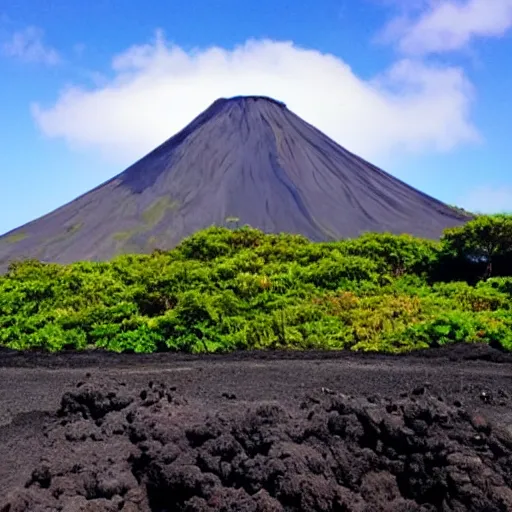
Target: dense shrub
(224, 290)
(486, 240)
(397, 255)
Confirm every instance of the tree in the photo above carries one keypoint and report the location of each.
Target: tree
(482, 240)
(230, 221)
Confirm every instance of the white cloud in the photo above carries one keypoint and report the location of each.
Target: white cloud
(157, 89)
(28, 45)
(488, 199)
(448, 25)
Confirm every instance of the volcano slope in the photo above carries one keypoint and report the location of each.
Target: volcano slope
(244, 158)
(263, 432)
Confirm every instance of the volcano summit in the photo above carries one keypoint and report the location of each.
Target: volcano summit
(248, 158)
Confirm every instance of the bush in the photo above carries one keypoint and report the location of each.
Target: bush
(240, 289)
(397, 255)
(487, 239)
(450, 327)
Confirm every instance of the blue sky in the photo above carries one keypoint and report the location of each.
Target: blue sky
(419, 87)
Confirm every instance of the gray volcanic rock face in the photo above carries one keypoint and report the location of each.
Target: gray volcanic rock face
(248, 158)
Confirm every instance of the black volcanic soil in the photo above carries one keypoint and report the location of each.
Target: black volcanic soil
(257, 432)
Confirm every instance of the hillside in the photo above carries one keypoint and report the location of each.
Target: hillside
(243, 161)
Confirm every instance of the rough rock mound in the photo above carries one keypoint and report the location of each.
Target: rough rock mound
(109, 451)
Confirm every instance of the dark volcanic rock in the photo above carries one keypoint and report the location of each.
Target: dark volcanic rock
(245, 157)
(334, 452)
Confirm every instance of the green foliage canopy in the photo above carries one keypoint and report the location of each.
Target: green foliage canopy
(483, 239)
(225, 289)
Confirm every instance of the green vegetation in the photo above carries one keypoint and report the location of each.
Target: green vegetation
(74, 228)
(66, 233)
(224, 289)
(124, 236)
(15, 238)
(462, 211)
(155, 213)
(151, 216)
(485, 239)
(232, 222)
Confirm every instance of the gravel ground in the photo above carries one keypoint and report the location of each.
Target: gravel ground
(257, 431)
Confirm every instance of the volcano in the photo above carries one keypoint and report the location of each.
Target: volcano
(246, 158)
